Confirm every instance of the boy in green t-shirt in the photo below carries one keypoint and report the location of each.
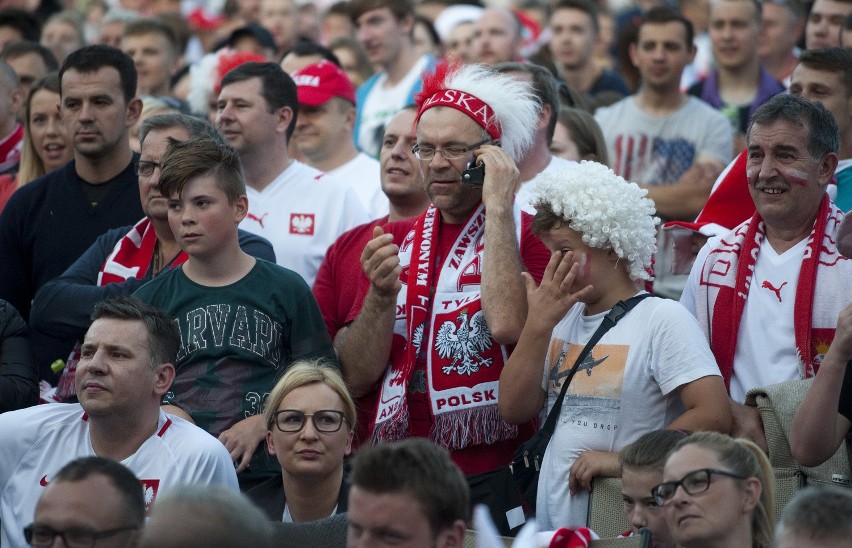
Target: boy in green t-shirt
(242, 320)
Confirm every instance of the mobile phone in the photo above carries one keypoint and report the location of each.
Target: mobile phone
(474, 174)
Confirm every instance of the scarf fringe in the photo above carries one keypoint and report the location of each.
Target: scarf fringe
(393, 429)
(459, 429)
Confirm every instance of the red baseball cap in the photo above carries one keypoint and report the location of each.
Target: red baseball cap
(321, 81)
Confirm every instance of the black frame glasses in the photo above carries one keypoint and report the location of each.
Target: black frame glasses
(43, 535)
(450, 153)
(145, 168)
(694, 483)
(326, 421)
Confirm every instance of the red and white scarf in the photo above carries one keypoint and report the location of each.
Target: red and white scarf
(131, 257)
(726, 278)
(463, 362)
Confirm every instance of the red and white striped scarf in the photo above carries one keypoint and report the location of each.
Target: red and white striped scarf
(131, 257)
(726, 278)
(463, 362)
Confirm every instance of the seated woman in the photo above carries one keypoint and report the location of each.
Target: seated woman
(641, 469)
(652, 370)
(310, 419)
(718, 492)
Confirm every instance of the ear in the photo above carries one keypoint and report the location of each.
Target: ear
(240, 208)
(134, 110)
(452, 536)
(349, 118)
(753, 490)
(544, 116)
(164, 376)
(406, 24)
(348, 450)
(634, 54)
(285, 118)
(826, 168)
(17, 100)
(270, 443)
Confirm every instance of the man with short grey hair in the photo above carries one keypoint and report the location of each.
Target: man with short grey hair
(816, 517)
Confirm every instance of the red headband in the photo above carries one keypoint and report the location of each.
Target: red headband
(475, 108)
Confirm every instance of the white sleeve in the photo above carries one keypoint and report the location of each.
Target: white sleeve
(718, 139)
(687, 298)
(680, 352)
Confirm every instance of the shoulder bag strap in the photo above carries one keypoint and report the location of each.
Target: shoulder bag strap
(617, 312)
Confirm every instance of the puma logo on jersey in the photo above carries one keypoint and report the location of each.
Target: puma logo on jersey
(302, 223)
(258, 220)
(777, 291)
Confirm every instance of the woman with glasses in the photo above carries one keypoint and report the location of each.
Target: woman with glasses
(717, 491)
(310, 419)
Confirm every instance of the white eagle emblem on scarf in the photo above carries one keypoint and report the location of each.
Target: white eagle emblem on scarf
(464, 343)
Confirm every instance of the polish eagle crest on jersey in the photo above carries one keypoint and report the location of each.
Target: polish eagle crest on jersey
(302, 223)
(463, 343)
(150, 487)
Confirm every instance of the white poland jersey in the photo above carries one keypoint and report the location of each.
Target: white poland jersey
(302, 212)
(38, 441)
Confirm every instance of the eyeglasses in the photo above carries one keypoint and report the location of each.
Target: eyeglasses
(426, 153)
(146, 169)
(291, 420)
(42, 535)
(693, 483)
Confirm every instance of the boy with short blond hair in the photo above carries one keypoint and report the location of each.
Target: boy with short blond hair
(242, 320)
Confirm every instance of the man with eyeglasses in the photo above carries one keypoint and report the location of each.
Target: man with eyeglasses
(446, 293)
(92, 501)
(50, 222)
(124, 259)
(126, 366)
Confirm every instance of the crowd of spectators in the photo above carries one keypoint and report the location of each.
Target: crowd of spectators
(332, 262)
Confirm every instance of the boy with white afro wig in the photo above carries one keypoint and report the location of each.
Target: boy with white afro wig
(609, 212)
(652, 370)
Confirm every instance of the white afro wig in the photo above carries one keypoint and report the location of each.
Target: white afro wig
(608, 211)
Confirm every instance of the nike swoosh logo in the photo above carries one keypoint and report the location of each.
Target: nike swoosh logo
(43, 481)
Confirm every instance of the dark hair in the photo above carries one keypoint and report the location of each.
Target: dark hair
(365, 68)
(830, 60)
(585, 132)
(419, 468)
(663, 14)
(546, 219)
(823, 136)
(276, 87)
(818, 513)
(153, 25)
(193, 125)
(544, 86)
(430, 29)
(206, 155)
(586, 6)
(304, 48)
(119, 476)
(23, 21)
(650, 450)
(163, 333)
(19, 49)
(399, 8)
(90, 59)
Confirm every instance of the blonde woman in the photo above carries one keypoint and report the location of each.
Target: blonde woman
(310, 417)
(717, 492)
(46, 145)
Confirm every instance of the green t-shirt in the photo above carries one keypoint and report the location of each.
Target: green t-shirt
(236, 341)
